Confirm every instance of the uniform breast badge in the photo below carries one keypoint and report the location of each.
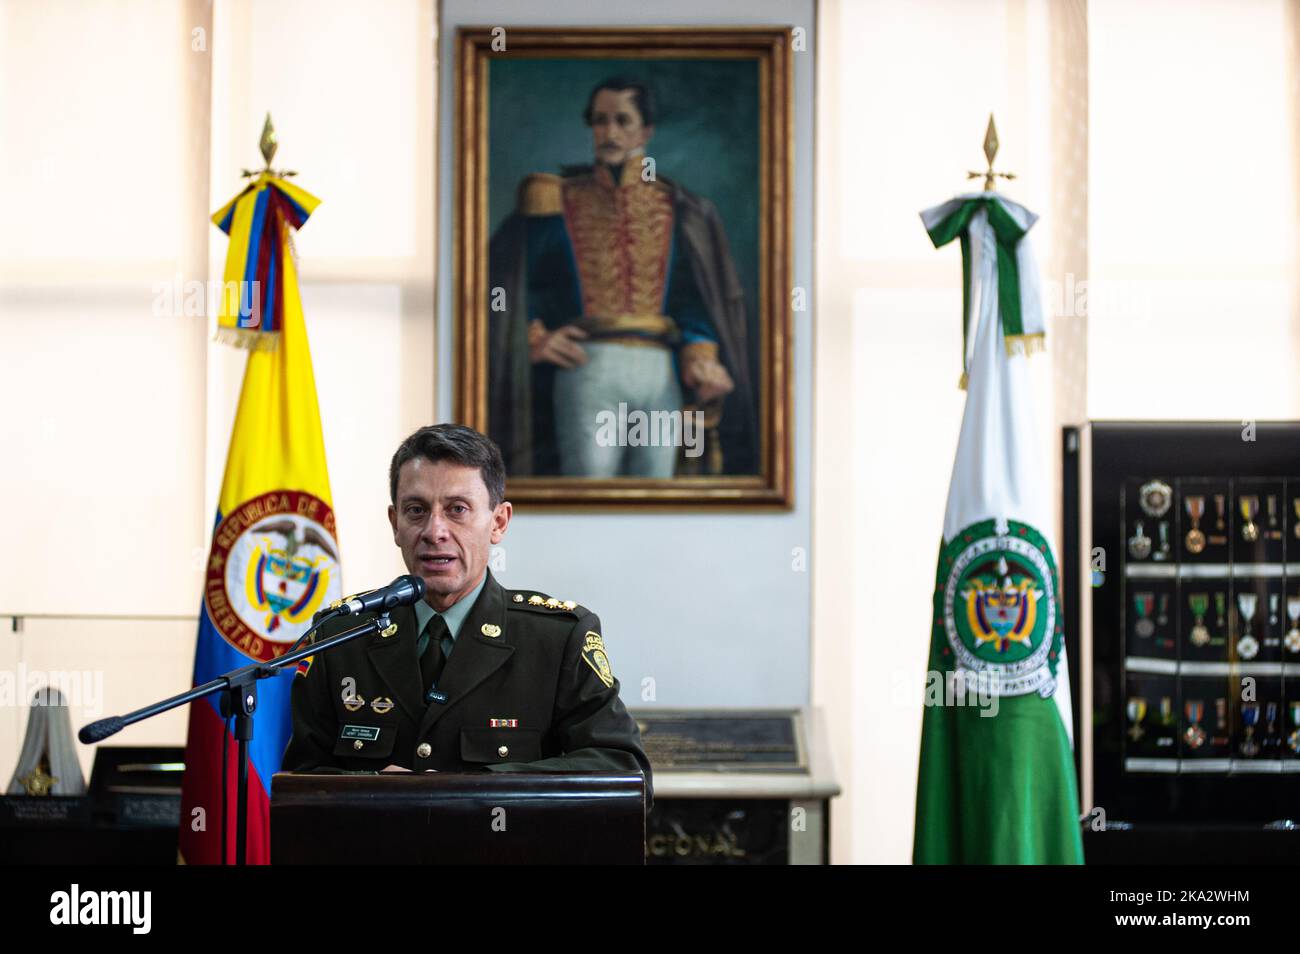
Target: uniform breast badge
(381, 704)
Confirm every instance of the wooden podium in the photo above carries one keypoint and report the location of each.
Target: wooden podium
(439, 818)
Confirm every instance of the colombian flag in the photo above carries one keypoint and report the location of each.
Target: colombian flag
(274, 558)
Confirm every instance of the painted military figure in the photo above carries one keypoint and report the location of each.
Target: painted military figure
(476, 676)
(620, 296)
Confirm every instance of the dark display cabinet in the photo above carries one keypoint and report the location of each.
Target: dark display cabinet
(1192, 536)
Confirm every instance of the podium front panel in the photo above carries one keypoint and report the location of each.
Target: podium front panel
(440, 818)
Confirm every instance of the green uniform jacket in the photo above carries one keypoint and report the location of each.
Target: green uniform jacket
(361, 707)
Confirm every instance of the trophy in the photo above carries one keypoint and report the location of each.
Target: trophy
(48, 764)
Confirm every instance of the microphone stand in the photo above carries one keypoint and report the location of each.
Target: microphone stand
(239, 690)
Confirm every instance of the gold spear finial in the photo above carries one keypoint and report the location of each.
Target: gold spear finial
(268, 143)
(990, 151)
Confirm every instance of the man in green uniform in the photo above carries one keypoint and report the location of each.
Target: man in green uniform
(476, 676)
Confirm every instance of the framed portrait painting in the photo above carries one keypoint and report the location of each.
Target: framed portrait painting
(622, 262)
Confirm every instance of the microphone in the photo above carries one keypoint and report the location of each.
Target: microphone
(98, 731)
(403, 591)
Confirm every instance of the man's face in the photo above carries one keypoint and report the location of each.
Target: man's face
(616, 127)
(444, 525)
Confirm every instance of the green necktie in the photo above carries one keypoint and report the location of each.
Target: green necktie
(432, 652)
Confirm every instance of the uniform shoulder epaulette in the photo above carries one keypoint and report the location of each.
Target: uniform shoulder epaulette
(527, 600)
(540, 194)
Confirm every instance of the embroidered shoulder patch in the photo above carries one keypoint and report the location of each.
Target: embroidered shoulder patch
(593, 653)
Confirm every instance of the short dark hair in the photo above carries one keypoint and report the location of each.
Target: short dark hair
(458, 443)
(642, 95)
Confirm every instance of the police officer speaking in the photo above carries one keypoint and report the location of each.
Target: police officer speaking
(476, 676)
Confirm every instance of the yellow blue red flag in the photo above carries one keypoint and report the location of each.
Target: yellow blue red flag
(274, 559)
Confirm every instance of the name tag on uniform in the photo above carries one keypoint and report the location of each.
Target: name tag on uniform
(369, 733)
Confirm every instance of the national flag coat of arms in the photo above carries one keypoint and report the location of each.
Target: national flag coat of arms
(997, 782)
(274, 559)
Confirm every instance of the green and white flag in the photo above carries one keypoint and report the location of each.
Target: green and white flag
(997, 782)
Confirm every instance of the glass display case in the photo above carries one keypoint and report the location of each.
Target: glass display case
(1191, 533)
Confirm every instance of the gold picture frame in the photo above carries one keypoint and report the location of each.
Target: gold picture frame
(750, 75)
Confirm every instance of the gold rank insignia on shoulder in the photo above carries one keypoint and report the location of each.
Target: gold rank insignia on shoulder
(541, 602)
(491, 630)
(547, 602)
(594, 655)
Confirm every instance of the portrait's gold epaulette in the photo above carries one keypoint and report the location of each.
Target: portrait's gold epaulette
(539, 194)
(539, 602)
